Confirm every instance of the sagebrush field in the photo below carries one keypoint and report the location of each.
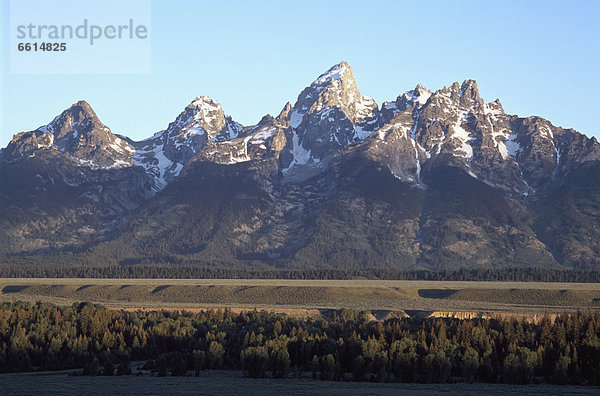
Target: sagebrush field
(525, 298)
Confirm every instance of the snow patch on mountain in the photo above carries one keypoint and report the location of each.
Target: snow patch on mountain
(415, 145)
(547, 133)
(391, 106)
(334, 73)
(233, 129)
(208, 108)
(260, 137)
(419, 95)
(300, 154)
(512, 146)
(296, 118)
(157, 164)
(463, 136)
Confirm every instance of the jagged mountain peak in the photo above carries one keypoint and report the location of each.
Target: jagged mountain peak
(80, 116)
(328, 115)
(334, 88)
(420, 94)
(284, 114)
(79, 133)
(470, 92)
(203, 115)
(465, 94)
(81, 109)
(165, 154)
(409, 99)
(266, 119)
(468, 84)
(495, 106)
(205, 104)
(84, 105)
(341, 71)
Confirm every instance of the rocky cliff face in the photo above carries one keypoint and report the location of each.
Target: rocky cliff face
(434, 179)
(263, 140)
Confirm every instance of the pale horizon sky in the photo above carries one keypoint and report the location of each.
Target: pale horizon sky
(538, 57)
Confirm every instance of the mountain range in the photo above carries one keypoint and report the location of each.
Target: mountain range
(431, 180)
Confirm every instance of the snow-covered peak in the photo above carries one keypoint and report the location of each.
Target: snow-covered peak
(206, 105)
(204, 116)
(334, 89)
(205, 111)
(329, 114)
(336, 72)
(413, 99)
(419, 95)
(167, 152)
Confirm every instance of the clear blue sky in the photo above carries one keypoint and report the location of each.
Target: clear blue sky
(539, 57)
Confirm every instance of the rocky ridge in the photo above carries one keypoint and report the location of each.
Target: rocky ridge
(323, 161)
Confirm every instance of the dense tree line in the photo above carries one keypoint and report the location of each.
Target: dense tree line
(348, 346)
(199, 272)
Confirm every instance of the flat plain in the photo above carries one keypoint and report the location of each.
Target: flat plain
(232, 383)
(384, 298)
